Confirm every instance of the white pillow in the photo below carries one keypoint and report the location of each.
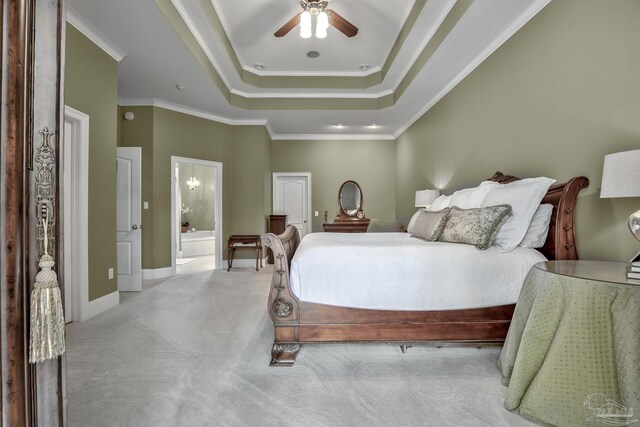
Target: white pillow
(412, 221)
(470, 198)
(524, 197)
(440, 203)
(538, 230)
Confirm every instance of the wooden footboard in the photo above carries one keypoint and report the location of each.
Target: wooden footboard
(283, 306)
(297, 322)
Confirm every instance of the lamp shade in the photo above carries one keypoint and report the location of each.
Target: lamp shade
(426, 197)
(621, 175)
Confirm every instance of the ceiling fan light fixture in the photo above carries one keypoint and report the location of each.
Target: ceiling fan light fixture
(322, 25)
(305, 25)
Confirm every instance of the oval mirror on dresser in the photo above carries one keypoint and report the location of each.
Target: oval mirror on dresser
(351, 217)
(350, 198)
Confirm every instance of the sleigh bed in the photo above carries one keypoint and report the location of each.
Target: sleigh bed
(299, 321)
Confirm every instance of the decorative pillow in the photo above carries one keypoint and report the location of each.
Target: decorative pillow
(478, 226)
(428, 224)
(472, 197)
(524, 197)
(536, 234)
(440, 203)
(412, 221)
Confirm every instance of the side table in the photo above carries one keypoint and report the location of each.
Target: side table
(244, 241)
(572, 354)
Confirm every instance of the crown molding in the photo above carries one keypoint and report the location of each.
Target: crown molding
(92, 33)
(441, 17)
(332, 137)
(502, 37)
(160, 103)
(263, 73)
(200, 40)
(178, 108)
(311, 95)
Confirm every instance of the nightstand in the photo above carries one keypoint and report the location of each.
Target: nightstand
(572, 353)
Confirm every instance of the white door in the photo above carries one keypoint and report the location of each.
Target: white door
(292, 197)
(67, 222)
(128, 215)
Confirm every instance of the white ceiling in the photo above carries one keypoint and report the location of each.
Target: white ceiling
(250, 29)
(156, 58)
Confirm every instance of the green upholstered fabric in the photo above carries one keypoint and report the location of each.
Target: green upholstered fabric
(569, 340)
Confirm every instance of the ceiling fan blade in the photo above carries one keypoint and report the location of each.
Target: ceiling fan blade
(290, 25)
(341, 24)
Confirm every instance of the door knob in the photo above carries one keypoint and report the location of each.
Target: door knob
(134, 227)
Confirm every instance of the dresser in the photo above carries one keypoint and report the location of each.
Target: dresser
(277, 224)
(347, 226)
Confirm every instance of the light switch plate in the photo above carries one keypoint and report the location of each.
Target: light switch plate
(145, 205)
(316, 213)
(110, 273)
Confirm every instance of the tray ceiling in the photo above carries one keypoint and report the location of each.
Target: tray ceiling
(418, 50)
(250, 30)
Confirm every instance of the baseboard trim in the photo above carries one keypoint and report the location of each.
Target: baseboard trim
(102, 304)
(157, 273)
(243, 263)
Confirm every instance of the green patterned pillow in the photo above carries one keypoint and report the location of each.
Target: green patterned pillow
(478, 227)
(428, 225)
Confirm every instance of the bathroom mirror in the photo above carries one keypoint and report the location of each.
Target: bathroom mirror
(350, 198)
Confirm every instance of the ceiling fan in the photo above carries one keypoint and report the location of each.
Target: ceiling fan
(324, 18)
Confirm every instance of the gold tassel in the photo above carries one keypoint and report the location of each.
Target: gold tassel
(47, 317)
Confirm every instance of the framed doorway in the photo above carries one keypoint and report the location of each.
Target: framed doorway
(75, 224)
(176, 204)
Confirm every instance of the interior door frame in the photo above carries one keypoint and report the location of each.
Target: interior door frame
(217, 208)
(78, 252)
(277, 175)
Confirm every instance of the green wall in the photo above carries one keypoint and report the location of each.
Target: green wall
(553, 100)
(91, 86)
(370, 163)
(242, 150)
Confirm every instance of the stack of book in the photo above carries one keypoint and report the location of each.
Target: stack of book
(633, 272)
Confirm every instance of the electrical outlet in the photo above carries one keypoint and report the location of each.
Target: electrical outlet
(110, 273)
(145, 205)
(316, 213)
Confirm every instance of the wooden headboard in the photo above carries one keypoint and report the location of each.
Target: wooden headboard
(561, 241)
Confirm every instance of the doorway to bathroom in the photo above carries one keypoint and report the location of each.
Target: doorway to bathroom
(196, 214)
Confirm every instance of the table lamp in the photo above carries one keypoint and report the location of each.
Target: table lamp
(424, 198)
(621, 178)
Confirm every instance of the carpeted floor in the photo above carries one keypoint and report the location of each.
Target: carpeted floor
(194, 350)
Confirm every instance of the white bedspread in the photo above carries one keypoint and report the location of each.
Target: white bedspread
(394, 271)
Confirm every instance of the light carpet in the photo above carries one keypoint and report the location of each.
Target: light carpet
(194, 350)
(183, 261)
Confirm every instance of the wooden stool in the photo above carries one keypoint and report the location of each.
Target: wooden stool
(244, 241)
